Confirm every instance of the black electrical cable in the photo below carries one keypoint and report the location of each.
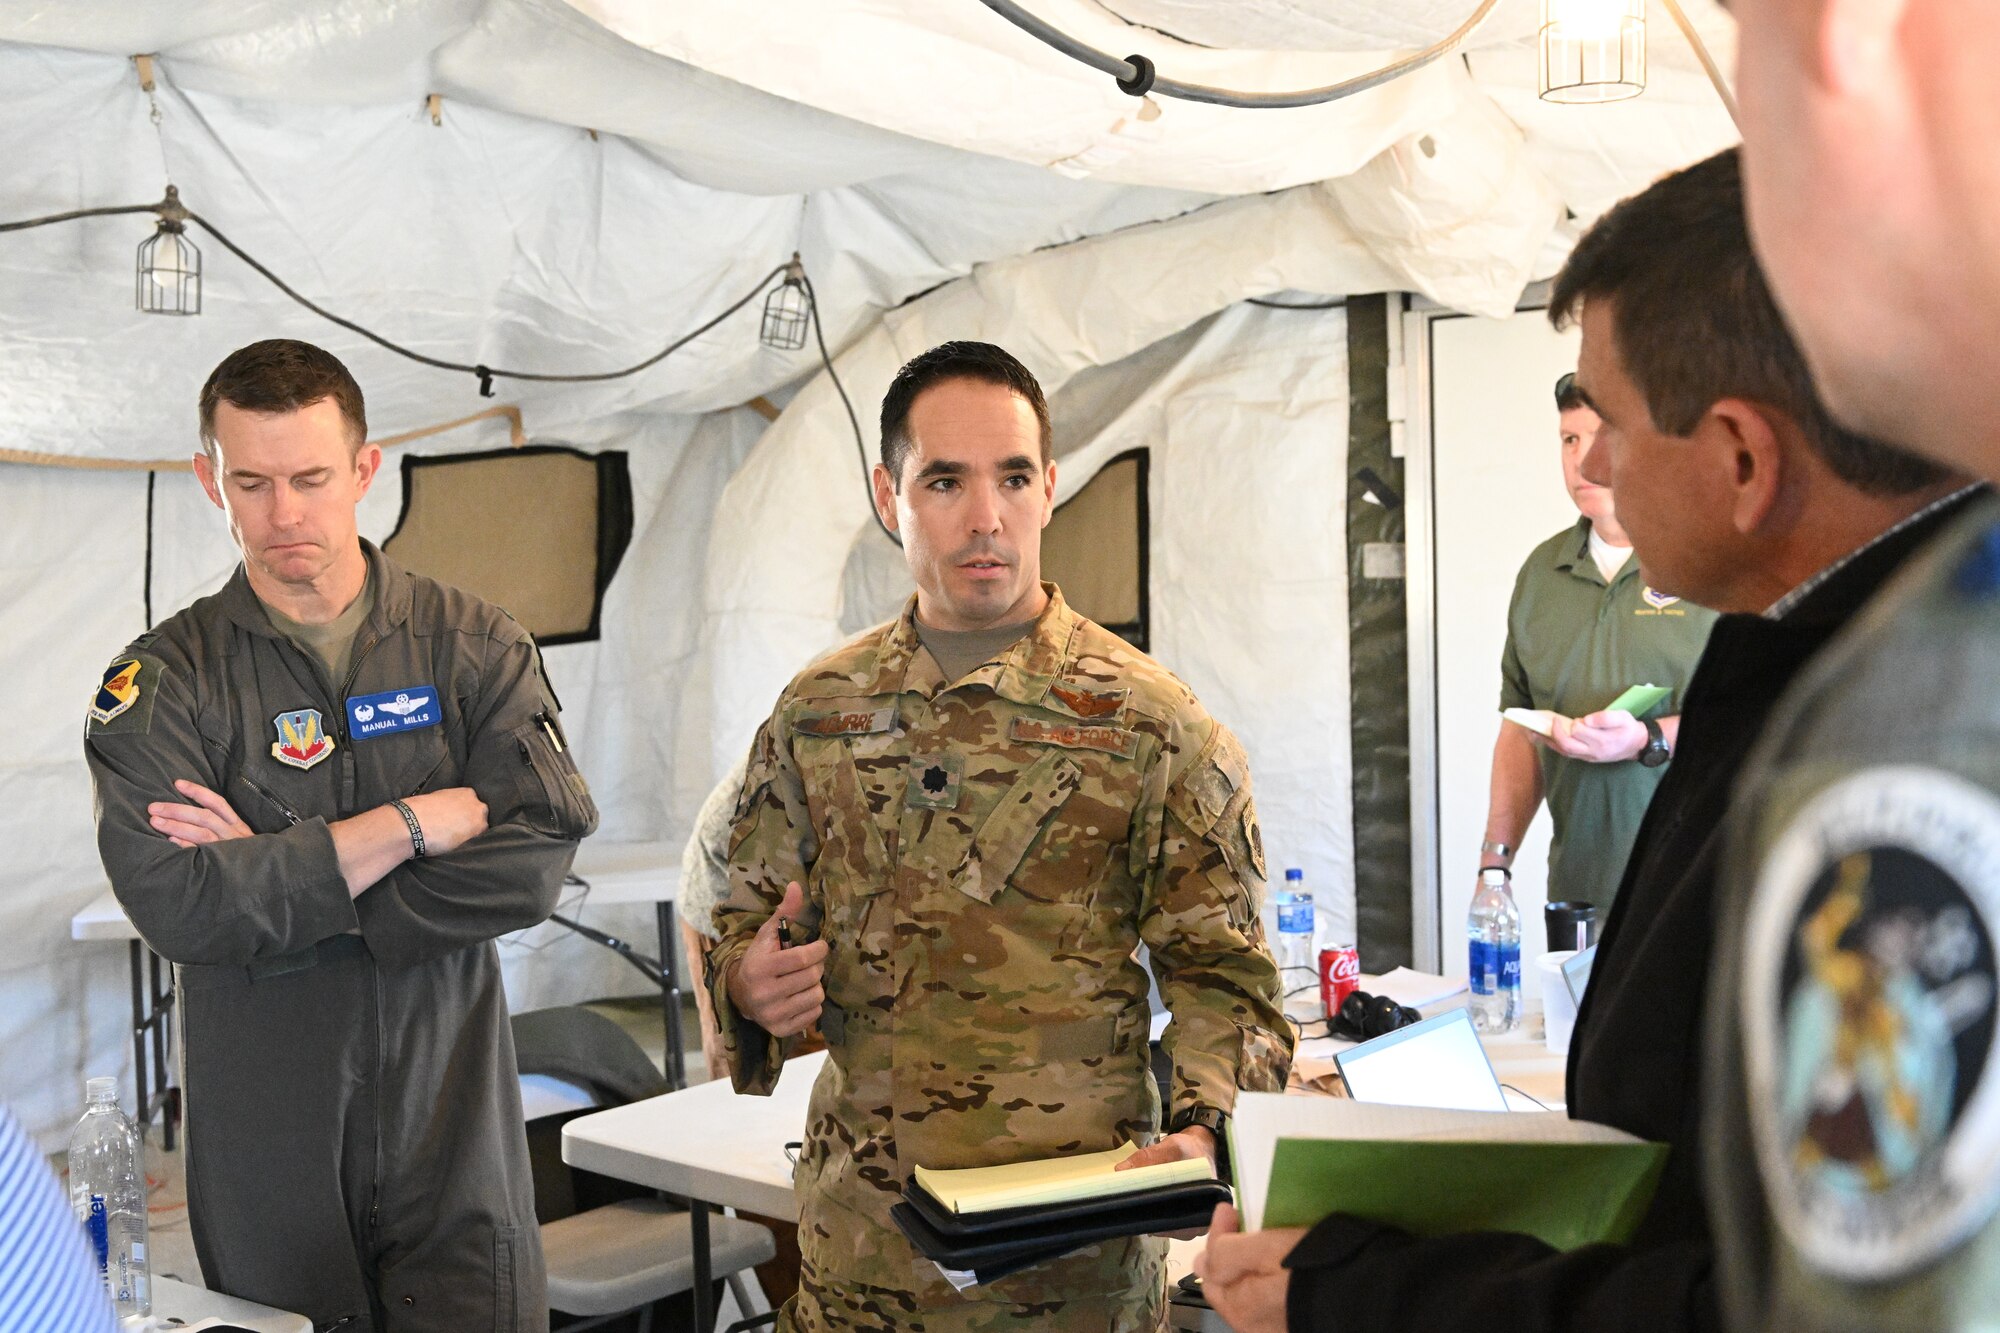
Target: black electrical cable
(1287, 305)
(486, 374)
(860, 444)
(79, 213)
(1135, 75)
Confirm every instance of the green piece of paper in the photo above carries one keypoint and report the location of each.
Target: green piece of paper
(1433, 1172)
(1564, 1194)
(1640, 699)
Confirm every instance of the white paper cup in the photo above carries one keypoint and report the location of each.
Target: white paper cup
(1558, 1006)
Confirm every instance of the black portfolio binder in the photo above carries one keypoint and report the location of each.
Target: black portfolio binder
(1007, 1240)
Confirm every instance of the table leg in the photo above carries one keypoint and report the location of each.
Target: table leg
(159, 1002)
(141, 1111)
(670, 995)
(704, 1318)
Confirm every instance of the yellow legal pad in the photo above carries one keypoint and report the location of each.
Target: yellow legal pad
(982, 1189)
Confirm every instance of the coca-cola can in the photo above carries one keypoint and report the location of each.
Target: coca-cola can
(1339, 976)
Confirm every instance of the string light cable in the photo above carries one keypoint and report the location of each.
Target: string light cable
(791, 273)
(1137, 76)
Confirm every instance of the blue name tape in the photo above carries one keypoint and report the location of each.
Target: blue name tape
(371, 715)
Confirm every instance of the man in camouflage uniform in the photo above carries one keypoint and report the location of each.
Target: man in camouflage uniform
(1852, 1074)
(984, 807)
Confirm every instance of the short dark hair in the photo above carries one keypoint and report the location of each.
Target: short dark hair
(954, 361)
(1568, 397)
(282, 375)
(1695, 321)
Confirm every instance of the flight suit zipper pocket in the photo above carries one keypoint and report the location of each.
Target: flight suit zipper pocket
(554, 798)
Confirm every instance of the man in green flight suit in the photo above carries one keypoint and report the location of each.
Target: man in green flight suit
(323, 792)
(985, 806)
(1582, 627)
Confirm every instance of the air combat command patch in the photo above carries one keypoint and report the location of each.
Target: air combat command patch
(1869, 1021)
(302, 739)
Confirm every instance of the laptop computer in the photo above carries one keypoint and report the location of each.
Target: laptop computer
(1438, 1062)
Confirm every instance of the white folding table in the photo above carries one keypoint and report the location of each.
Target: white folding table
(152, 1009)
(176, 1304)
(639, 872)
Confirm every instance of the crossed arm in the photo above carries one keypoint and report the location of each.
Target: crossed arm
(369, 845)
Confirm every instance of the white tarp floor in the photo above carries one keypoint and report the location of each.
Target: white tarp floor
(607, 174)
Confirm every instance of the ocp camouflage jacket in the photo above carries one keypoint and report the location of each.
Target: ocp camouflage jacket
(986, 856)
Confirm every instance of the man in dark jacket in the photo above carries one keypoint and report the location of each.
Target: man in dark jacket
(323, 792)
(1739, 493)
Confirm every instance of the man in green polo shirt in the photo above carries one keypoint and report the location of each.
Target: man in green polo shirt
(1582, 628)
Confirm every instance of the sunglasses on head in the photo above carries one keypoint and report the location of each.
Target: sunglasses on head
(1565, 386)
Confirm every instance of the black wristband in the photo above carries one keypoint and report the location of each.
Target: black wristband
(1216, 1123)
(416, 829)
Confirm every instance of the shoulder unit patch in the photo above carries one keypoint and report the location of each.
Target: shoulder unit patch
(123, 701)
(1869, 1013)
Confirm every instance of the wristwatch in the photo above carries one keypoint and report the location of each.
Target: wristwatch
(1216, 1123)
(1499, 849)
(1656, 751)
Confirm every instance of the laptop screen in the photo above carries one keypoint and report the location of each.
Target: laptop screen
(1438, 1062)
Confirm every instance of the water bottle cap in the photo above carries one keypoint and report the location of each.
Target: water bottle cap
(1294, 876)
(101, 1089)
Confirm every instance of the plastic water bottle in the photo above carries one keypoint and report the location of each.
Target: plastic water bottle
(1493, 930)
(107, 1187)
(1295, 926)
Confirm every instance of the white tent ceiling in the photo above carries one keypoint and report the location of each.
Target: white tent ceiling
(896, 145)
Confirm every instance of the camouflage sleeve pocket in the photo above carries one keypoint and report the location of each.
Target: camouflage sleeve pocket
(757, 775)
(1264, 1062)
(1213, 800)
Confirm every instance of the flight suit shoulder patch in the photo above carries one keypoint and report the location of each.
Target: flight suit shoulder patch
(122, 703)
(853, 722)
(1110, 740)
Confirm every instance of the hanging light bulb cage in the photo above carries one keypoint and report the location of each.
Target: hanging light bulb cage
(787, 312)
(1592, 50)
(169, 272)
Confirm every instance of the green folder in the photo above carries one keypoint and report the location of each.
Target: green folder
(1564, 1194)
(1434, 1172)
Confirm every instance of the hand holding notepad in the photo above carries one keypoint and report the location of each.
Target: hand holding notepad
(979, 1189)
(1639, 700)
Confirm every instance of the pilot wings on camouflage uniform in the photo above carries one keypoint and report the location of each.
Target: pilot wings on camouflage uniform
(985, 856)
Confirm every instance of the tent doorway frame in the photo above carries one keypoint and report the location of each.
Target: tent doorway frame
(1411, 389)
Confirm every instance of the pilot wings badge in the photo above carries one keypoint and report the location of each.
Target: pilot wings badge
(302, 740)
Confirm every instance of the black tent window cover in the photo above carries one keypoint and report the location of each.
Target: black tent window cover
(494, 555)
(1105, 556)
